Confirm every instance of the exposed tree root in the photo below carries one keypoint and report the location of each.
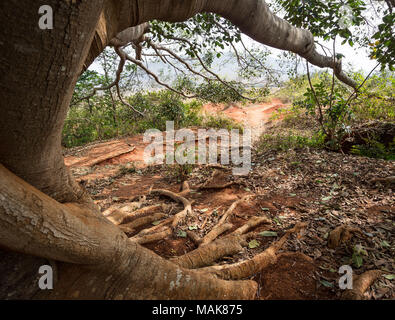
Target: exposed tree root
(131, 226)
(252, 223)
(341, 234)
(117, 216)
(176, 197)
(230, 210)
(110, 156)
(194, 237)
(211, 184)
(206, 255)
(361, 283)
(153, 237)
(250, 267)
(142, 212)
(215, 232)
(155, 228)
(211, 251)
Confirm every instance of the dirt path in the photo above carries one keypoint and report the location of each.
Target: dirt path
(131, 149)
(255, 115)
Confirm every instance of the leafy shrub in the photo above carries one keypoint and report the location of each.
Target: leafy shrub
(221, 122)
(217, 92)
(288, 140)
(375, 149)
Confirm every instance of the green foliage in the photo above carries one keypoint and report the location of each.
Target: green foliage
(375, 101)
(384, 48)
(218, 92)
(324, 18)
(377, 97)
(102, 119)
(285, 141)
(327, 101)
(207, 32)
(375, 149)
(344, 19)
(221, 122)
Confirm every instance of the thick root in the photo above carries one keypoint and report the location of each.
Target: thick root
(155, 228)
(117, 215)
(176, 197)
(361, 284)
(215, 232)
(206, 255)
(142, 212)
(229, 212)
(250, 267)
(131, 226)
(152, 237)
(252, 223)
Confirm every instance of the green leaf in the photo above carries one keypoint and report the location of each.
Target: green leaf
(277, 220)
(327, 284)
(155, 223)
(389, 276)
(181, 234)
(265, 209)
(385, 244)
(357, 260)
(268, 234)
(193, 228)
(253, 244)
(326, 198)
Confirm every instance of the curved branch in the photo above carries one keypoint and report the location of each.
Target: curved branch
(156, 78)
(265, 27)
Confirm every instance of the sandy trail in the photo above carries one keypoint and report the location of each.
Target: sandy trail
(131, 149)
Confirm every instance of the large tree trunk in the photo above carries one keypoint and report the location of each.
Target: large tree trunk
(43, 211)
(94, 258)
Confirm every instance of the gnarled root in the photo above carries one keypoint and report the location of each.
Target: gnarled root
(361, 283)
(210, 252)
(117, 215)
(152, 237)
(176, 197)
(207, 254)
(142, 212)
(131, 226)
(211, 184)
(217, 231)
(247, 268)
(341, 234)
(252, 223)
